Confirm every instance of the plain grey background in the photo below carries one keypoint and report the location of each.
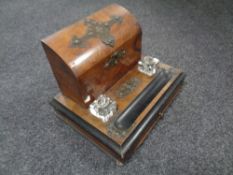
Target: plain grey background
(196, 134)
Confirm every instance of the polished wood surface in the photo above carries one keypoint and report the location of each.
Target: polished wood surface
(80, 71)
(92, 65)
(121, 102)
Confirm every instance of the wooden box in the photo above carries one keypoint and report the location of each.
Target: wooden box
(109, 92)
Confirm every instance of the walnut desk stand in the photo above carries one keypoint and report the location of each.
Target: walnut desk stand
(110, 93)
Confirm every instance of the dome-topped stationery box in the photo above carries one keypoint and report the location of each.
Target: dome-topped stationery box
(109, 92)
(89, 56)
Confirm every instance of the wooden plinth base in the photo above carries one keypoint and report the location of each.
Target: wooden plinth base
(121, 144)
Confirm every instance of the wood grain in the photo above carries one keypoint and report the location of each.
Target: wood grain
(121, 102)
(80, 71)
(139, 140)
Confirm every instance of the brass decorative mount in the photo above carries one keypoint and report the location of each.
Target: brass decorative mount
(97, 29)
